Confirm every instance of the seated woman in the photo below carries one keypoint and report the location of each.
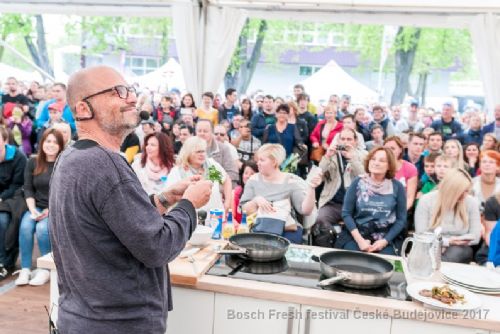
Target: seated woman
(406, 172)
(374, 210)
(486, 184)
(340, 168)
(272, 194)
(192, 160)
(153, 165)
(36, 220)
(456, 212)
(248, 169)
(453, 149)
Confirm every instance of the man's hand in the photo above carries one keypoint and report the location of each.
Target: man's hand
(331, 151)
(349, 152)
(198, 193)
(44, 214)
(174, 193)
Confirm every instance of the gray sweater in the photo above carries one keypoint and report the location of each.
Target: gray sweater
(451, 225)
(111, 246)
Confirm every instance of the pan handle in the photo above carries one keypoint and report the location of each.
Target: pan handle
(341, 276)
(231, 251)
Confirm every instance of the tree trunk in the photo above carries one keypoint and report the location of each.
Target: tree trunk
(33, 51)
(251, 64)
(42, 46)
(422, 87)
(164, 42)
(241, 78)
(83, 44)
(404, 65)
(2, 48)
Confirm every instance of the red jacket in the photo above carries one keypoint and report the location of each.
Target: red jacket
(315, 136)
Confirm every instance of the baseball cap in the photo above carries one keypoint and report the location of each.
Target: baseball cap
(59, 106)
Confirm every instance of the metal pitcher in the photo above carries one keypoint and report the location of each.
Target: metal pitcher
(425, 254)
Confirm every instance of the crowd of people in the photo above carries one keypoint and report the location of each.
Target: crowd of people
(351, 176)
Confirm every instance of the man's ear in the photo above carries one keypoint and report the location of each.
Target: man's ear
(83, 111)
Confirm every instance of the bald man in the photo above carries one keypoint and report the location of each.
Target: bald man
(110, 241)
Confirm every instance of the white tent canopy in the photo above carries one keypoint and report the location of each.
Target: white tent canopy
(206, 31)
(332, 78)
(166, 77)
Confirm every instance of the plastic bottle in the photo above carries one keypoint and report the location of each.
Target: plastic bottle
(243, 228)
(217, 222)
(228, 228)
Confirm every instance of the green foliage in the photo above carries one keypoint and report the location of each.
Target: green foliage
(436, 48)
(109, 34)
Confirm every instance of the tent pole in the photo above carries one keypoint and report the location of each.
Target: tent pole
(29, 62)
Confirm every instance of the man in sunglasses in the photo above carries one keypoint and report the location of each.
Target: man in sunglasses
(111, 244)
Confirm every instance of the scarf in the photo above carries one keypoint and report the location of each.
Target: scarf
(154, 172)
(370, 187)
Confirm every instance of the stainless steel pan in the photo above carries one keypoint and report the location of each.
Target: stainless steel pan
(354, 269)
(259, 247)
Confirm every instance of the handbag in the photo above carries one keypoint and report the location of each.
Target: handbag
(269, 225)
(317, 153)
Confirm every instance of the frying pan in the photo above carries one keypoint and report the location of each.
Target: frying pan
(252, 267)
(354, 269)
(258, 247)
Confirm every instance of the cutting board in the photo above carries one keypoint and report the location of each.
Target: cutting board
(184, 272)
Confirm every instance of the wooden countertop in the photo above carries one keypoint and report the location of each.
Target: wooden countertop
(191, 275)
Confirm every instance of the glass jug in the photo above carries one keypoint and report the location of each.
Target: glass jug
(424, 257)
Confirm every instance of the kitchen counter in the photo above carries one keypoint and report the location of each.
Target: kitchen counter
(189, 280)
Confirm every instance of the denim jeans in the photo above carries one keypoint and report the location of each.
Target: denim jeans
(6, 259)
(28, 228)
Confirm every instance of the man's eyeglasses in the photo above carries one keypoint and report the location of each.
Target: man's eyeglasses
(121, 90)
(221, 134)
(260, 101)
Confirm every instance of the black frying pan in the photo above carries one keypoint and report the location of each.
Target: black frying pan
(259, 247)
(354, 269)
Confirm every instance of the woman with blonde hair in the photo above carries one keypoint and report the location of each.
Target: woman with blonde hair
(453, 149)
(456, 212)
(192, 160)
(324, 132)
(489, 142)
(272, 194)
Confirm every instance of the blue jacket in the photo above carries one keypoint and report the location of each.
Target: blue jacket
(259, 123)
(11, 172)
(488, 128)
(472, 136)
(67, 115)
(454, 125)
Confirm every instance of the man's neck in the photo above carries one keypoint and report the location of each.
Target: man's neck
(497, 124)
(413, 157)
(13, 94)
(228, 104)
(447, 119)
(112, 143)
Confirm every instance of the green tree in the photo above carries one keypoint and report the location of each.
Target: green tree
(31, 29)
(416, 51)
(100, 34)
